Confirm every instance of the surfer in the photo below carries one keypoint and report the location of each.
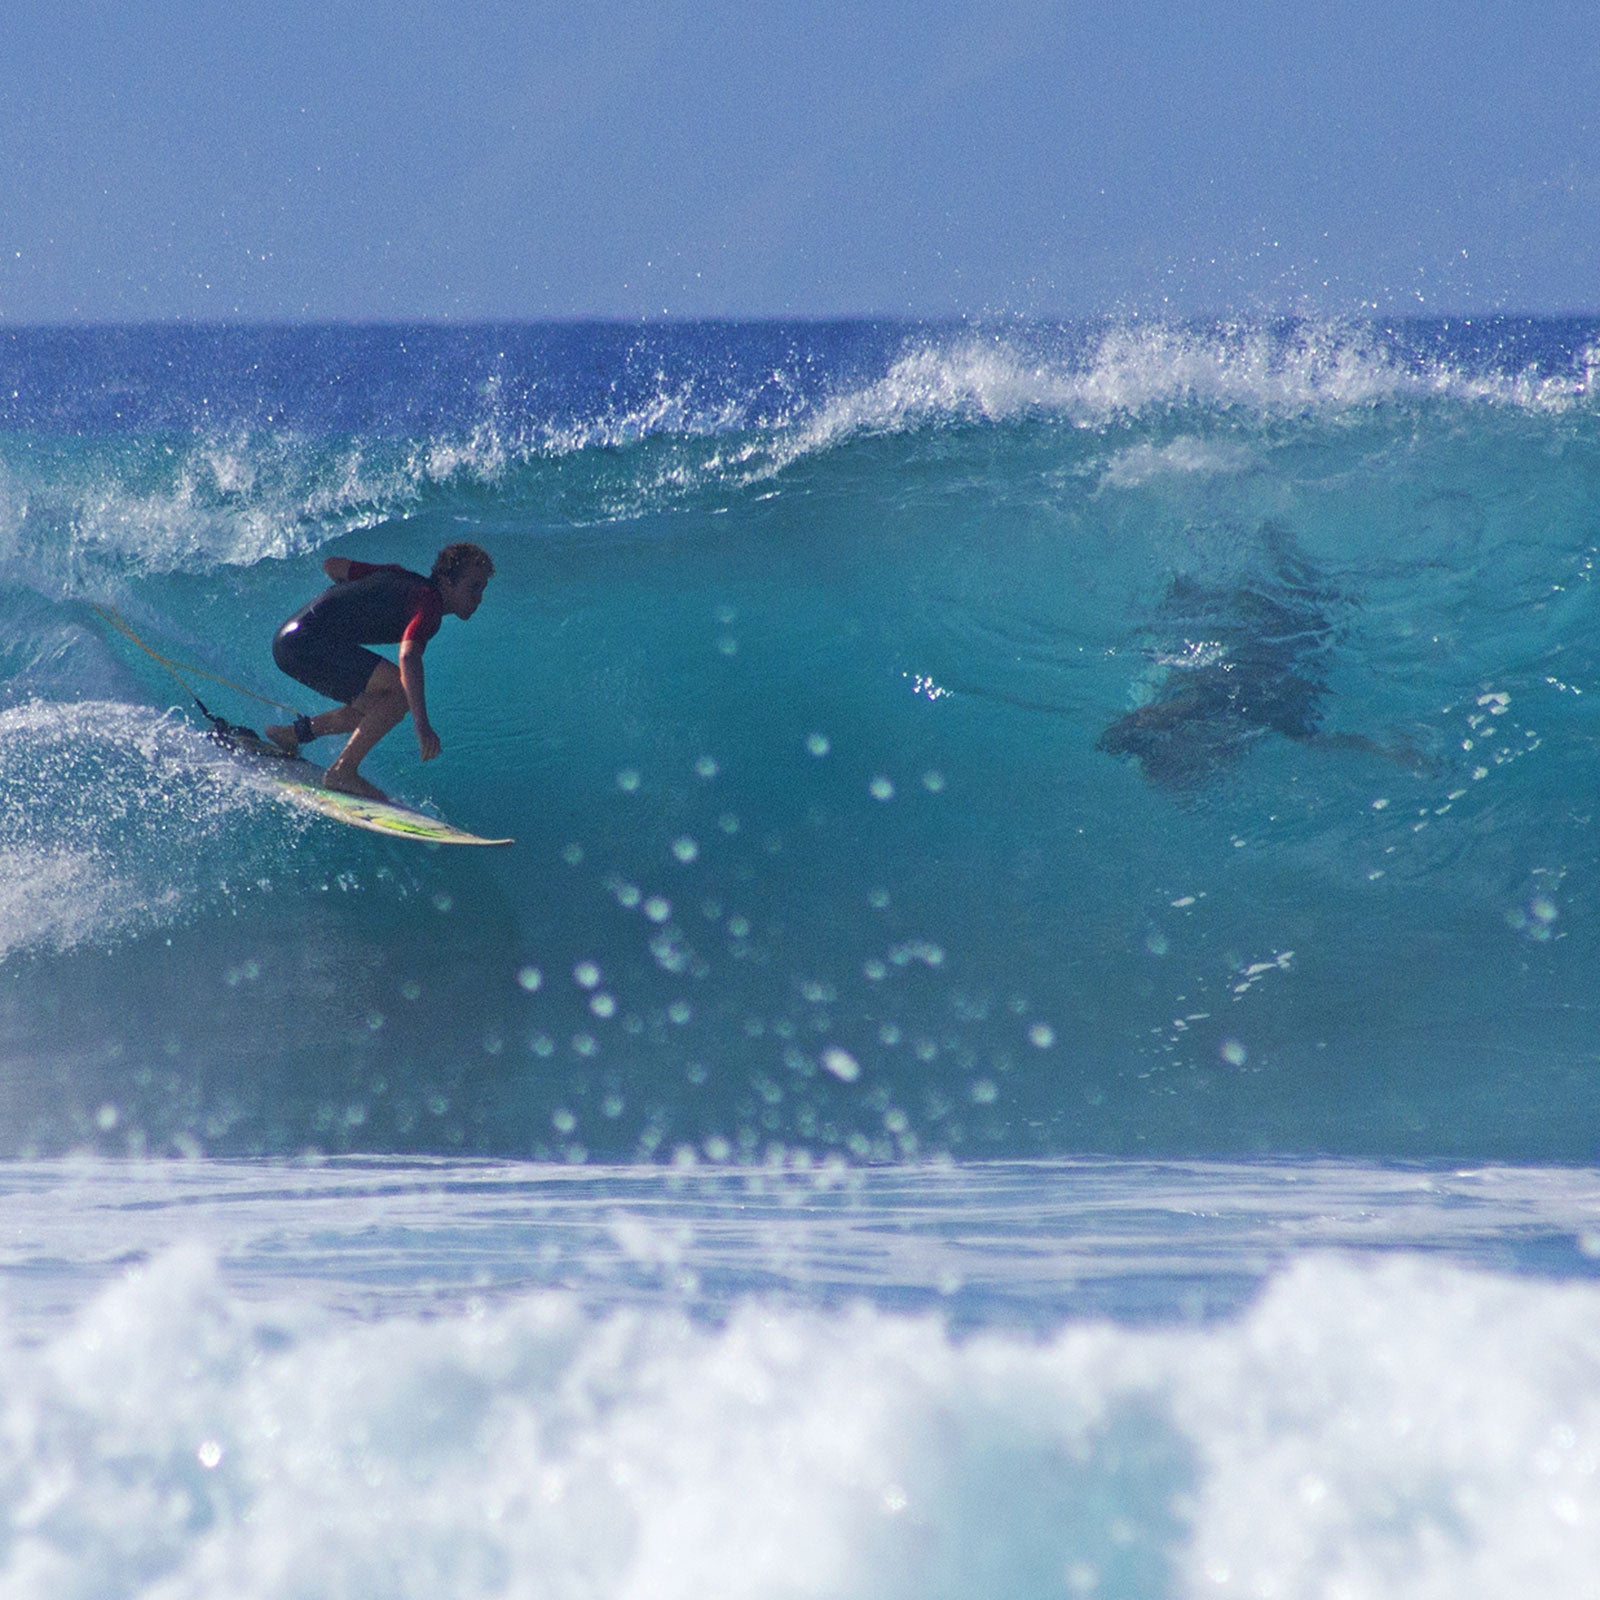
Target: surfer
(323, 645)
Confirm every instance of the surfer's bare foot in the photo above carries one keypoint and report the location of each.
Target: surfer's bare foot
(284, 738)
(352, 783)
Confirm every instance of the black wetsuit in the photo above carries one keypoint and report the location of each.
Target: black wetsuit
(322, 644)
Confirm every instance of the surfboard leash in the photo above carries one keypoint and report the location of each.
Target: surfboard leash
(230, 733)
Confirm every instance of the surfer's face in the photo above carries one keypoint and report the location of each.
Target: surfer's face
(462, 596)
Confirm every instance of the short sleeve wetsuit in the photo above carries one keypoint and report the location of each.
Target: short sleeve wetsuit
(322, 644)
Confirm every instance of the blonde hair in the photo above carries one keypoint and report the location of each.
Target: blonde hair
(456, 559)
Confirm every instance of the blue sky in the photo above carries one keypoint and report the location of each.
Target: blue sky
(361, 159)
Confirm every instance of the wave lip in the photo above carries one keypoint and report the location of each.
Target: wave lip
(700, 414)
(1134, 368)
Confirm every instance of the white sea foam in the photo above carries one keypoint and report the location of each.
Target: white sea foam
(1316, 366)
(990, 377)
(105, 810)
(1386, 1432)
(1136, 368)
(55, 897)
(240, 495)
(1185, 456)
(1126, 371)
(222, 499)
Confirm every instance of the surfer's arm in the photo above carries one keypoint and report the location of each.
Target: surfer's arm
(343, 570)
(413, 682)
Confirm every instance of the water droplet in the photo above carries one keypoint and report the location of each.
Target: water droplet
(841, 1064)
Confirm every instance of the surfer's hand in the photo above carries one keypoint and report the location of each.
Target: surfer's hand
(429, 741)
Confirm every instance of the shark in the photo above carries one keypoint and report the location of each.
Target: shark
(1235, 664)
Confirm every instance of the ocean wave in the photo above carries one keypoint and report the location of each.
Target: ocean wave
(1113, 715)
(1407, 1429)
(233, 492)
(80, 517)
(1122, 375)
(674, 443)
(1131, 370)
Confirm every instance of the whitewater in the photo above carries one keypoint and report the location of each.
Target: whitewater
(1035, 1039)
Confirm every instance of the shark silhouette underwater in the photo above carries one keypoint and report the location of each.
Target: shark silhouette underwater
(1237, 663)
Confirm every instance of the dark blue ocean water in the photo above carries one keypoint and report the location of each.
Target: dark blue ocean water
(805, 686)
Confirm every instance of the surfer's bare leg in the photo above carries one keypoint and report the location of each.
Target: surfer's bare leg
(366, 719)
(289, 736)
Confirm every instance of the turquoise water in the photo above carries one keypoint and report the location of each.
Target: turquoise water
(790, 688)
(1035, 1038)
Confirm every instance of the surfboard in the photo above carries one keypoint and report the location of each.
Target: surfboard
(300, 782)
(377, 816)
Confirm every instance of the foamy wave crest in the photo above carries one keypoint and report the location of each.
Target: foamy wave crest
(1133, 369)
(677, 410)
(500, 443)
(973, 380)
(1296, 368)
(1147, 367)
(677, 442)
(1388, 1433)
(160, 508)
(97, 505)
(654, 454)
